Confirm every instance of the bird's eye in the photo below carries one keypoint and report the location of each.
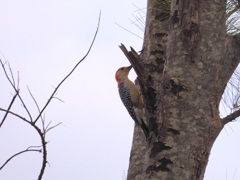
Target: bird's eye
(122, 68)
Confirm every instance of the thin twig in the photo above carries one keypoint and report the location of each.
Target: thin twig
(18, 81)
(26, 150)
(34, 101)
(9, 107)
(15, 114)
(45, 128)
(48, 129)
(13, 85)
(51, 97)
(42, 134)
(11, 75)
(58, 99)
(5, 72)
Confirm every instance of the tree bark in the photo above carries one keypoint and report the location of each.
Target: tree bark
(187, 59)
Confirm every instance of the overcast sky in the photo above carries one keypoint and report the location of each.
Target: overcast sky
(43, 40)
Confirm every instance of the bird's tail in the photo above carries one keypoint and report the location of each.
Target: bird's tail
(145, 129)
(138, 118)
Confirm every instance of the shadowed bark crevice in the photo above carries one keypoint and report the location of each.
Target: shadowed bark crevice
(158, 147)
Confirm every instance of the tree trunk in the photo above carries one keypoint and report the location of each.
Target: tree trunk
(186, 62)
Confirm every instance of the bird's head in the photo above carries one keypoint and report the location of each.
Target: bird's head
(122, 74)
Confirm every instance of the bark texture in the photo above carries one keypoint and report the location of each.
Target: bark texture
(186, 63)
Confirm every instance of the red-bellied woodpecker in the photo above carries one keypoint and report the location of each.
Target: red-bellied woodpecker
(131, 98)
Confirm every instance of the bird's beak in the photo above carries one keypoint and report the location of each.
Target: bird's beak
(129, 67)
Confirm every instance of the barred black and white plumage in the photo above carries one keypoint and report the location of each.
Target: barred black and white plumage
(126, 99)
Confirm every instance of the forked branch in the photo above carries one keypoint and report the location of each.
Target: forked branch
(45, 128)
(15, 87)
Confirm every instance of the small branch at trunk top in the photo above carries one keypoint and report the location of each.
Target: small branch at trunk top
(230, 117)
(135, 61)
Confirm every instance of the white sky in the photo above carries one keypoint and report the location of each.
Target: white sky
(43, 40)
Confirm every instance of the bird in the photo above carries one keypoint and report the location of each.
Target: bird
(131, 98)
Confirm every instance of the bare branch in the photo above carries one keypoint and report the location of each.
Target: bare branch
(21, 152)
(52, 127)
(34, 101)
(13, 81)
(58, 99)
(15, 88)
(42, 134)
(51, 97)
(15, 114)
(45, 128)
(43, 142)
(230, 117)
(18, 81)
(9, 107)
(5, 72)
(44, 150)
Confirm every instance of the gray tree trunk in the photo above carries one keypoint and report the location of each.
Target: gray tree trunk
(186, 62)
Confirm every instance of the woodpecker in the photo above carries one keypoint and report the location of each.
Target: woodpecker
(131, 98)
